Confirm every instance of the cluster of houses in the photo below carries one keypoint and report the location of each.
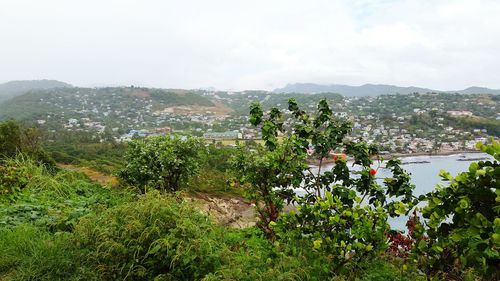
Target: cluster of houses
(145, 133)
(385, 120)
(87, 123)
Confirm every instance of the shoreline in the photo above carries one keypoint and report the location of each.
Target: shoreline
(441, 153)
(402, 155)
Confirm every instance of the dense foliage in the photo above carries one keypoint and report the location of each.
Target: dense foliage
(268, 177)
(154, 237)
(463, 220)
(16, 138)
(342, 212)
(163, 163)
(32, 194)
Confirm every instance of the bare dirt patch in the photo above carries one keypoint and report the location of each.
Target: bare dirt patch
(232, 212)
(218, 109)
(93, 175)
(138, 94)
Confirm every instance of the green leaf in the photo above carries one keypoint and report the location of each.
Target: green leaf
(317, 244)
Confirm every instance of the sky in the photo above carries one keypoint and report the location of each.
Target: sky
(258, 44)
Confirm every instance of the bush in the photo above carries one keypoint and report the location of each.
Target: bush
(341, 213)
(12, 180)
(463, 220)
(16, 138)
(154, 237)
(164, 163)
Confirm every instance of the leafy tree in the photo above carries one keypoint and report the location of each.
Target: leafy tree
(10, 138)
(343, 212)
(462, 219)
(163, 163)
(16, 138)
(269, 177)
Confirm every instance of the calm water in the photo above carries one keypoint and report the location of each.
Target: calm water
(425, 176)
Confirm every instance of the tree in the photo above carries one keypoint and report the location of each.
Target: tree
(463, 220)
(16, 138)
(343, 211)
(268, 177)
(10, 138)
(165, 163)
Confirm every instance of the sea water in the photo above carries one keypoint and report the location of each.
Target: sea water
(424, 172)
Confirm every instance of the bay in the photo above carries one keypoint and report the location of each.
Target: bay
(424, 172)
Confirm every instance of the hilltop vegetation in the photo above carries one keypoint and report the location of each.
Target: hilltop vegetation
(104, 105)
(15, 88)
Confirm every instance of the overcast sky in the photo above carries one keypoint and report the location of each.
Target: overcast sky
(254, 44)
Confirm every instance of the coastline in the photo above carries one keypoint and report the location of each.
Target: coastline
(440, 153)
(401, 156)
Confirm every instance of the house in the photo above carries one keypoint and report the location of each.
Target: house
(229, 135)
(162, 130)
(461, 113)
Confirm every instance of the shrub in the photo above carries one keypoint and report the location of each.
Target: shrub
(16, 138)
(154, 237)
(268, 178)
(342, 213)
(462, 219)
(12, 180)
(164, 163)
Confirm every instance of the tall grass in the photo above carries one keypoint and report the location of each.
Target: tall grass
(30, 253)
(41, 179)
(154, 237)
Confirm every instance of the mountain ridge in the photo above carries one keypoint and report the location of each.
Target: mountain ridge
(373, 89)
(15, 88)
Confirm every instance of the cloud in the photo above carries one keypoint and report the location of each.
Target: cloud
(252, 44)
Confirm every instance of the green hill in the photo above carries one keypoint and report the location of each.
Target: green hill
(117, 103)
(15, 88)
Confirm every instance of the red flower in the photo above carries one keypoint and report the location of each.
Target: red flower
(373, 172)
(335, 157)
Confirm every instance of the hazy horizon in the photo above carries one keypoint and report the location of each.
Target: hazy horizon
(233, 45)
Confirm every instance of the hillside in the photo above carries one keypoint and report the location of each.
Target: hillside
(371, 89)
(479, 90)
(15, 88)
(120, 107)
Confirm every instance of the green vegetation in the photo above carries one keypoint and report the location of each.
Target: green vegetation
(38, 103)
(16, 138)
(163, 163)
(32, 194)
(492, 126)
(58, 224)
(463, 220)
(341, 215)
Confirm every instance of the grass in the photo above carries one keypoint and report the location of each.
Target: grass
(31, 253)
(54, 201)
(63, 226)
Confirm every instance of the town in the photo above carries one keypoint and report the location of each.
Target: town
(405, 124)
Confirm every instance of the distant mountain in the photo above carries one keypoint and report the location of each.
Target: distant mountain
(15, 88)
(370, 89)
(478, 90)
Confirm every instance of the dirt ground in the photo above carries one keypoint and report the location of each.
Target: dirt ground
(93, 175)
(227, 211)
(219, 109)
